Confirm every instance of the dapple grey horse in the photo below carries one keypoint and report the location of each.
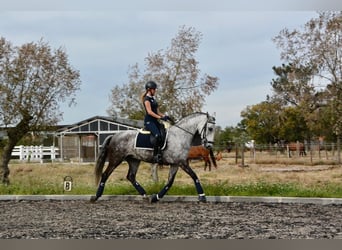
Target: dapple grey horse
(121, 146)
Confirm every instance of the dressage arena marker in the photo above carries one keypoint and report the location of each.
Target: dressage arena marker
(67, 183)
(174, 198)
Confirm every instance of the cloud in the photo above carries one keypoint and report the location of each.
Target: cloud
(236, 47)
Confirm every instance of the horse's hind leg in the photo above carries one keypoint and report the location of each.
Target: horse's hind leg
(105, 175)
(172, 175)
(131, 175)
(189, 171)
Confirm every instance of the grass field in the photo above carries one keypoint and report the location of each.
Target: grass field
(284, 177)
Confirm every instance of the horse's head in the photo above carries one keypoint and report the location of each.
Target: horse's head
(206, 130)
(201, 126)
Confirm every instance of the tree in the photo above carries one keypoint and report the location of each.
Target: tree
(181, 89)
(225, 139)
(293, 126)
(270, 122)
(263, 121)
(293, 86)
(34, 79)
(318, 46)
(300, 99)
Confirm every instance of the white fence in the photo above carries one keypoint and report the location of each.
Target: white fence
(35, 153)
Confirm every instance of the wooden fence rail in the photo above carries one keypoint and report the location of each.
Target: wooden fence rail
(35, 153)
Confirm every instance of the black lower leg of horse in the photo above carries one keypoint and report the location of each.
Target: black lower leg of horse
(199, 189)
(172, 175)
(100, 188)
(138, 187)
(104, 177)
(207, 163)
(131, 175)
(201, 195)
(157, 197)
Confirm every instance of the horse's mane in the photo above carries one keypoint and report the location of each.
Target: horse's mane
(211, 118)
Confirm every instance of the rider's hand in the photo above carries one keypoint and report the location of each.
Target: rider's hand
(165, 118)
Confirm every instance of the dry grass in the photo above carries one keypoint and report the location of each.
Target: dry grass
(228, 172)
(279, 169)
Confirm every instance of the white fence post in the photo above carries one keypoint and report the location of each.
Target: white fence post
(53, 152)
(21, 152)
(35, 153)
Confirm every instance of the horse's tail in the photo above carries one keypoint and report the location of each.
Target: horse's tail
(101, 159)
(212, 156)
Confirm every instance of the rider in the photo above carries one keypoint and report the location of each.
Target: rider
(151, 118)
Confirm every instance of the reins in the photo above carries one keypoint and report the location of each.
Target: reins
(174, 124)
(184, 129)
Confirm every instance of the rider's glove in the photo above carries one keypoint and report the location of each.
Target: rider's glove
(165, 118)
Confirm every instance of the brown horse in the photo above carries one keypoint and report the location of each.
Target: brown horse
(200, 152)
(296, 147)
(218, 156)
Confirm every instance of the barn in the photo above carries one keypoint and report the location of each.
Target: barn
(81, 142)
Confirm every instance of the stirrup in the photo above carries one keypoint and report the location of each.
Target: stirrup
(158, 159)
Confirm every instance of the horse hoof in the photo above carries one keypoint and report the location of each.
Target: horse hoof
(93, 199)
(202, 199)
(145, 198)
(154, 198)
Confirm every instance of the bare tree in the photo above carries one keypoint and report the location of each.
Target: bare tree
(181, 88)
(318, 47)
(34, 79)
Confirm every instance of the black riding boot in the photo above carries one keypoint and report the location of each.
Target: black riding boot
(157, 155)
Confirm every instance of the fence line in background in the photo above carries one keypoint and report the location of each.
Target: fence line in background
(35, 153)
(314, 152)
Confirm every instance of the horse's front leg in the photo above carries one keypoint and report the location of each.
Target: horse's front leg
(189, 171)
(207, 163)
(172, 175)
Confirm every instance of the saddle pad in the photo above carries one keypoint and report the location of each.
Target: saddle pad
(142, 141)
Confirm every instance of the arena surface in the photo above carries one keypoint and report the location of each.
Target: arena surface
(139, 219)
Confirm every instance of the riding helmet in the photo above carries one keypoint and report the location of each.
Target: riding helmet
(150, 85)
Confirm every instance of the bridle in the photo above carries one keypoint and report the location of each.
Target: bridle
(203, 132)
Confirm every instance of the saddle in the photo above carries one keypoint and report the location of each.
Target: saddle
(144, 139)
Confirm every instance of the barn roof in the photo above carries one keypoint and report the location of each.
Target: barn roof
(100, 125)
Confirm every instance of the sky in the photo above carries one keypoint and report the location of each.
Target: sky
(102, 41)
